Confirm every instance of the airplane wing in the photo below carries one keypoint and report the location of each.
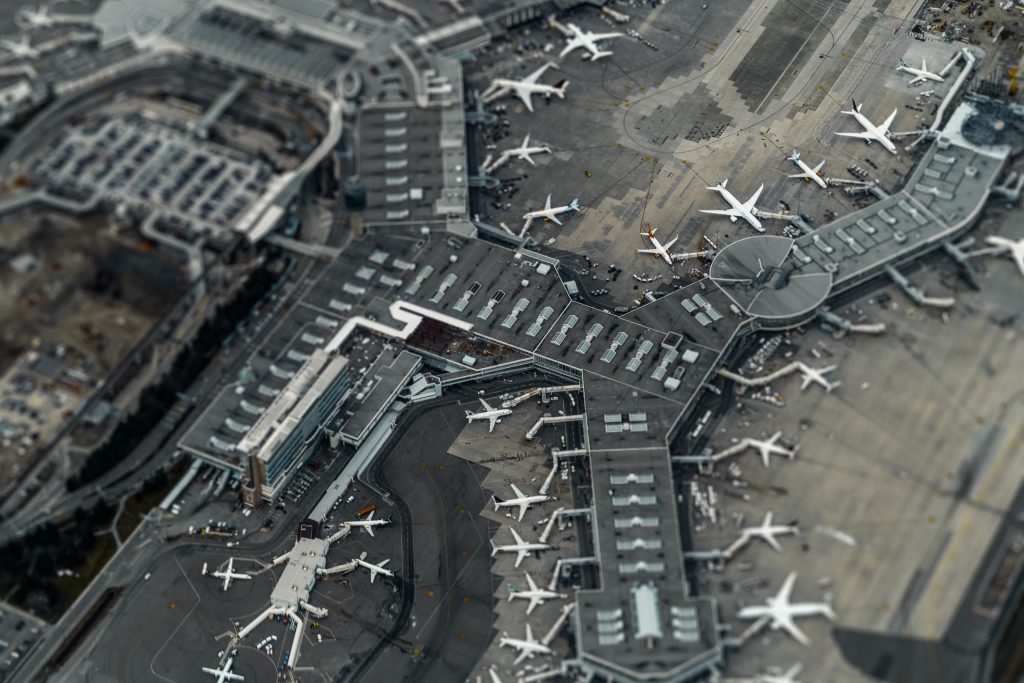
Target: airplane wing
(522, 510)
(555, 219)
(801, 175)
(571, 45)
(863, 136)
(924, 65)
(368, 529)
(534, 601)
(515, 535)
(749, 204)
(523, 654)
(526, 140)
(490, 427)
(647, 251)
(530, 582)
(604, 36)
(529, 634)
(770, 539)
(731, 213)
(524, 95)
(547, 203)
(520, 555)
(515, 490)
(787, 589)
(527, 159)
(915, 80)
(486, 405)
(670, 243)
(786, 623)
(884, 128)
(817, 168)
(1018, 257)
(535, 76)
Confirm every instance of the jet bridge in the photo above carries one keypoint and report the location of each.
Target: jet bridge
(554, 419)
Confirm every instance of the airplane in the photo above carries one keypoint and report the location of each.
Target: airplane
(808, 172)
(526, 88)
(35, 18)
(368, 523)
(489, 413)
(535, 595)
(1015, 248)
(223, 675)
(374, 569)
(549, 213)
(920, 75)
(19, 49)
(661, 250)
(817, 376)
(746, 210)
(524, 153)
(872, 133)
(780, 611)
(766, 532)
(521, 501)
(770, 447)
(527, 648)
(229, 575)
(520, 547)
(494, 675)
(588, 41)
(788, 677)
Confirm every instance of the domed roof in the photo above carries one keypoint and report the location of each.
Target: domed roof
(754, 272)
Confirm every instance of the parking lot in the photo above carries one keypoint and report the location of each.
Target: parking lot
(18, 632)
(198, 187)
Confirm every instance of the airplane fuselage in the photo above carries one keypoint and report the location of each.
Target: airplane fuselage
(737, 205)
(877, 134)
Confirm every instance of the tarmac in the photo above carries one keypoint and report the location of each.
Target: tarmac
(910, 459)
(641, 134)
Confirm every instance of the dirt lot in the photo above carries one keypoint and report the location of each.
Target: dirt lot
(75, 297)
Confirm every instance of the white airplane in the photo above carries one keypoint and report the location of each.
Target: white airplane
(588, 41)
(523, 152)
(781, 612)
(374, 569)
(526, 88)
(788, 677)
(224, 675)
(19, 49)
(920, 75)
(769, 447)
(526, 648)
(817, 376)
(659, 249)
(808, 172)
(520, 547)
(1004, 245)
(549, 212)
(488, 413)
(535, 595)
(35, 18)
(521, 501)
(765, 531)
(229, 575)
(745, 210)
(872, 133)
(368, 523)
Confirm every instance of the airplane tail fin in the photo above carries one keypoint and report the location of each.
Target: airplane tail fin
(575, 204)
(795, 156)
(599, 54)
(856, 107)
(560, 88)
(494, 548)
(497, 501)
(902, 63)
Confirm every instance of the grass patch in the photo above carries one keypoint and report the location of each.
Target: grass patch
(135, 508)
